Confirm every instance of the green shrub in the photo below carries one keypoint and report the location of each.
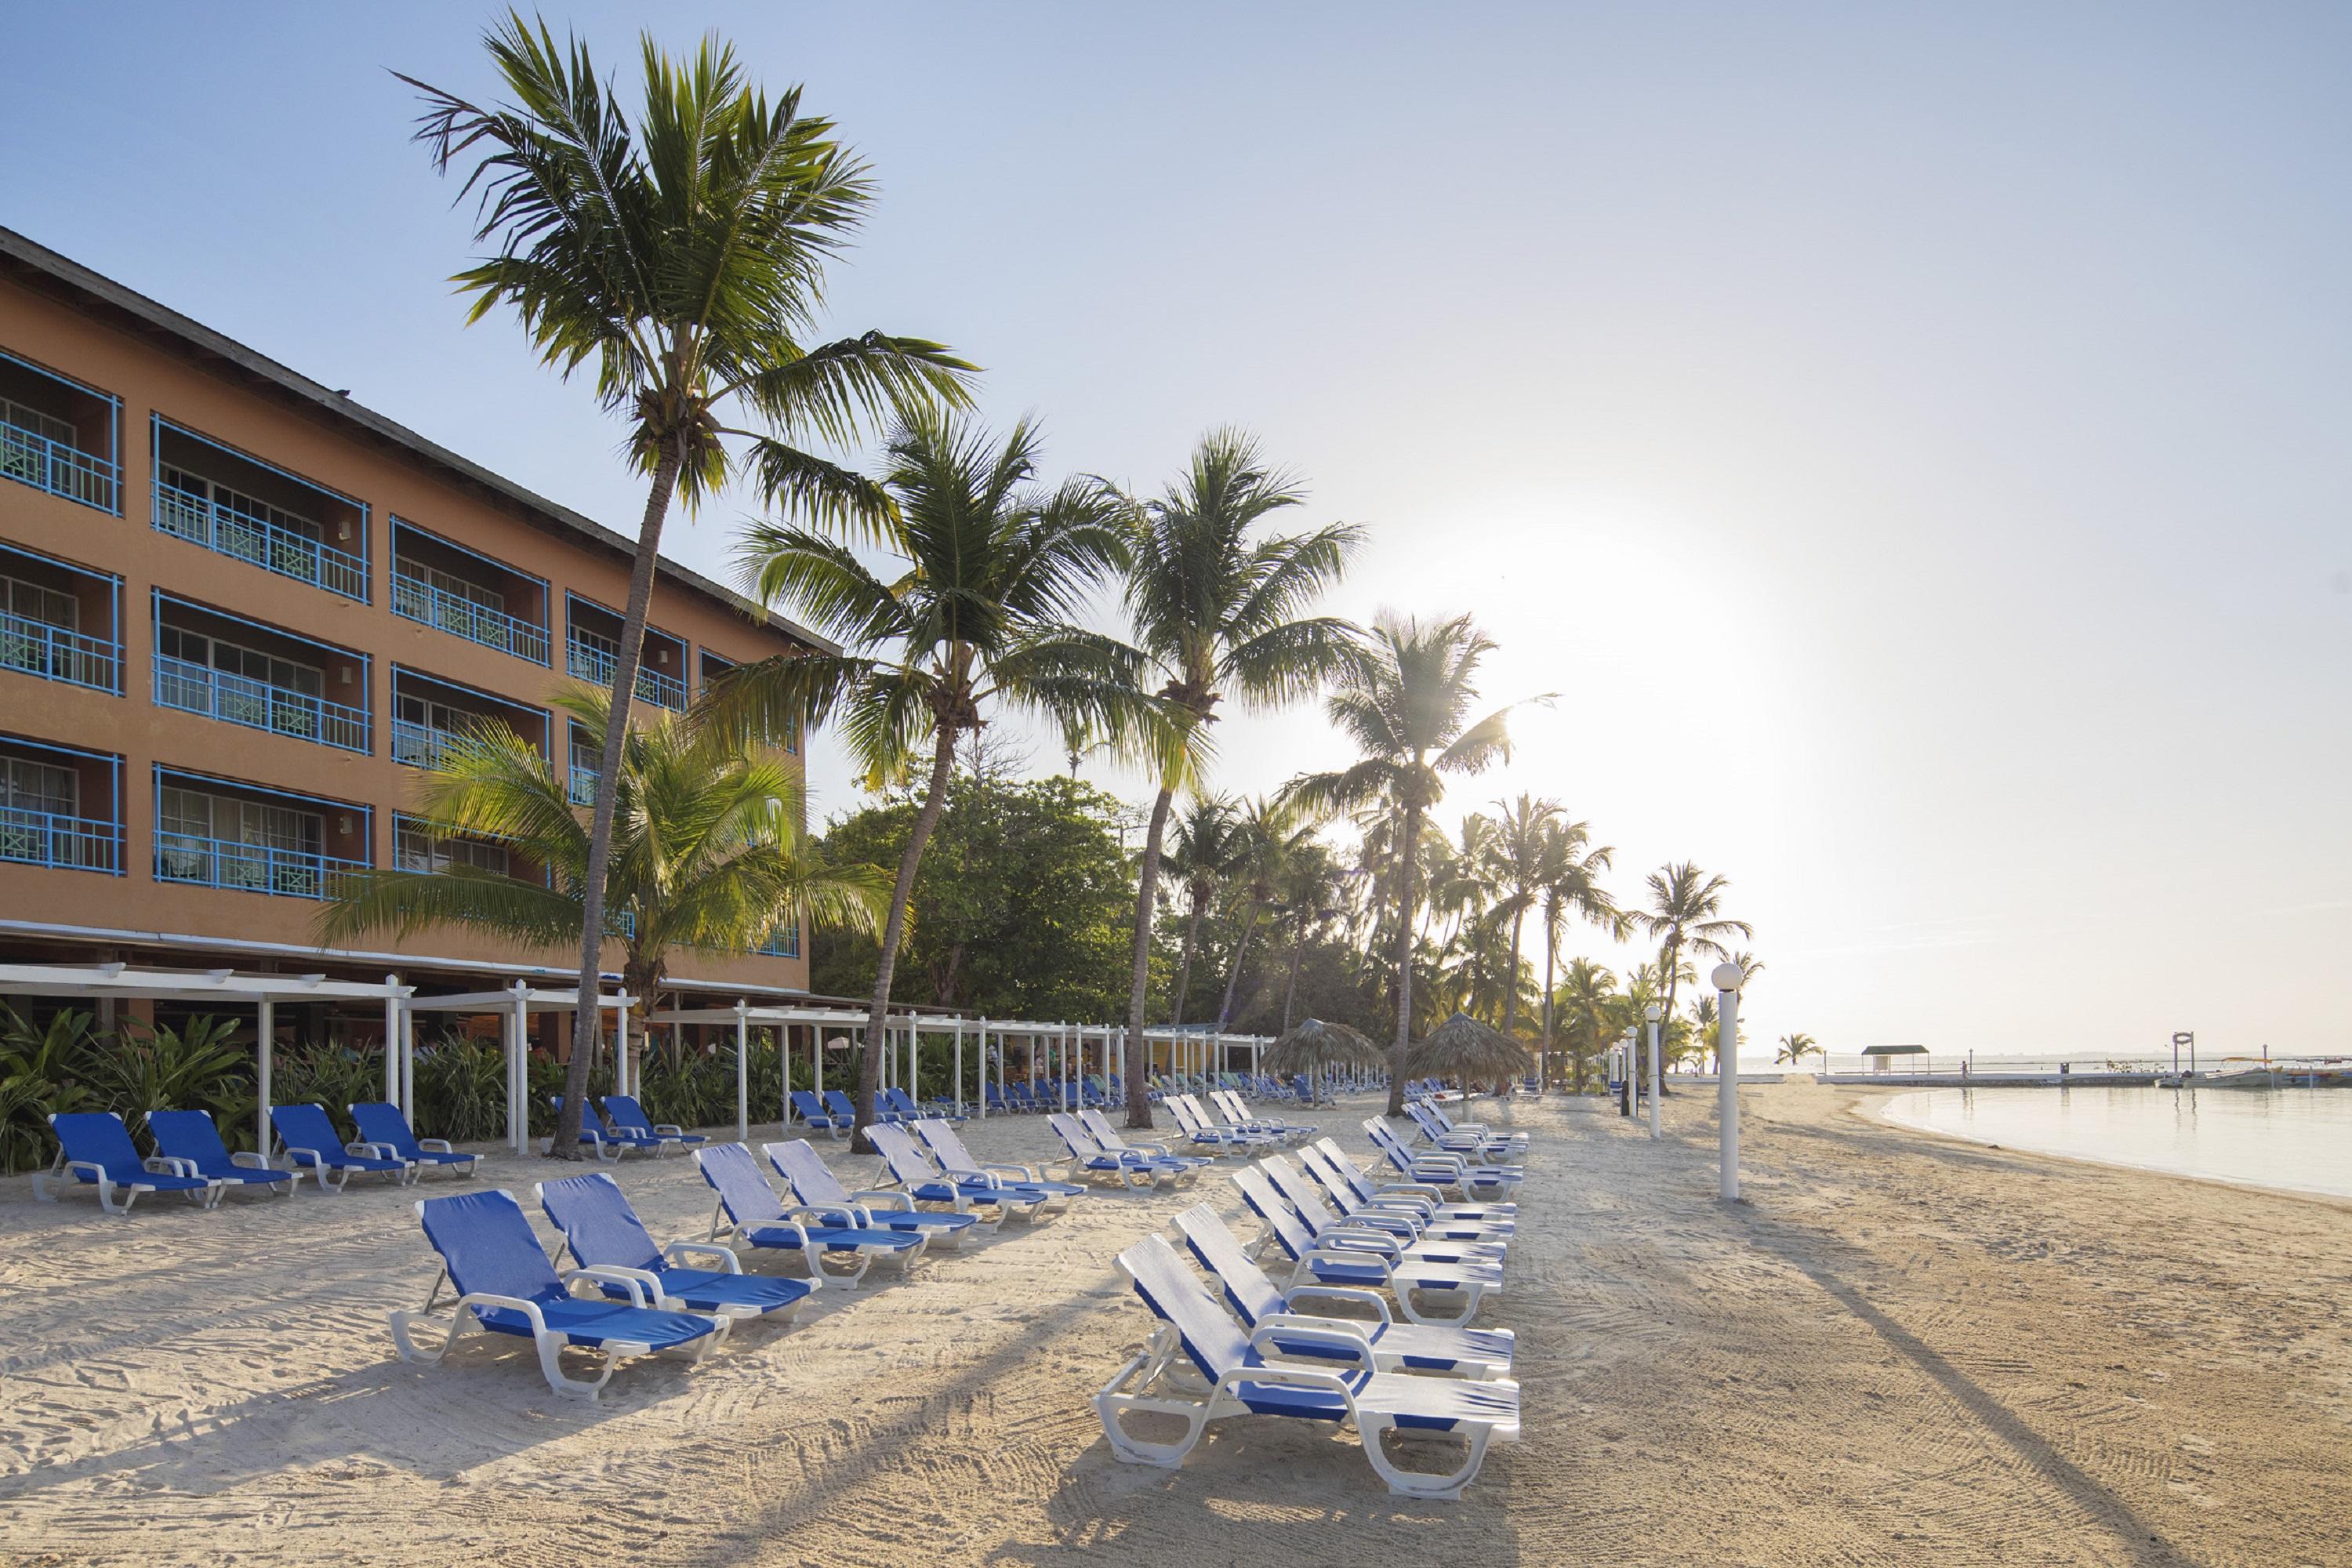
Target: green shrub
(331, 1075)
(42, 1070)
(197, 1067)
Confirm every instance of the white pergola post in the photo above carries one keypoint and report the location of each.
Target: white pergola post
(958, 1067)
(408, 1059)
(816, 1077)
(1062, 1065)
(266, 1022)
(392, 1040)
(518, 1079)
(742, 1072)
(620, 1049)
(914, 1060)
(980, 1078)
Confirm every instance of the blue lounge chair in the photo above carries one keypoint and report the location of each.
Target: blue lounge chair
(1230, 1105)
(1092, 1160)
(1365, 1258)
(948, 1153)
(906, 1164)
(610, 1143)
(1447, 1172)
(505, 1286)
(603, 1232)
(93, 1146)
(1337, 1167)
(845, 1109)
(1480, 1354)
(1245, 1378)
(310, 1143)
(1308, 1200)
(193, 1144)
(994, 1098)
(816, 1189)
(753, 1216)
(1201, 1134)
(1414, 1219)
(813, 1113)
(386, 1134)
(1184, 1167)
(627, 1118)
(902, 1106)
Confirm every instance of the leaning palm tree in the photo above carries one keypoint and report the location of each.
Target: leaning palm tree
(1566, 883)
(1684, 916)
(1795, 1048)
(684, 255)
(1217, 614)
(709, 856)
(974, 615)
(1405, 702)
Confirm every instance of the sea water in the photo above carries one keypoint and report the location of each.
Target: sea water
(2297, 1140)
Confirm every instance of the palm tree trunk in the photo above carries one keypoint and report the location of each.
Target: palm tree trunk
(869, 1066)
(588, 1018)
(1184, 970)
(1673, 958)
(1405, 868)
(1511, 979)
(1147, 888)
(1551, 953)
(1249, 925)
(1297, 956)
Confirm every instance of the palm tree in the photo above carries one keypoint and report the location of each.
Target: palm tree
(1199, 858)
(709, 856)
(978, 614)
(1566, 883)
(1686, 914)
(684, 255)
(1268, 834)
(1309, 895)
(1217, 614)
(1796, 1048)
(1405, 702)
(1588, 1001)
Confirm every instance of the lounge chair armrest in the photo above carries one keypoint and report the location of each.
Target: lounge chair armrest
(679, 1251)
(1407, 1190)
(246, 1160)
(1291, 1377)
(436, 1145)
(1018, 1172)
(529, 1309)
(668, 1129)
(1345, 1241)
(1327, 1333)
(645, 1289)
(897, 1200)
(1292, 1296)
(295, 1153)
(1152, 1146)
(90, 1168)
(375, 1151)
(823, 1213)
(172, 1165)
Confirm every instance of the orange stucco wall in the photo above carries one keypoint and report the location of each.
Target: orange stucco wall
(153, 378)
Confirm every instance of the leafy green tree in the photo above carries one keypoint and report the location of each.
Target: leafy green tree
(1405, 702)
(1218, 615)
(684, 254)
(977, 612)
(1587, 1008)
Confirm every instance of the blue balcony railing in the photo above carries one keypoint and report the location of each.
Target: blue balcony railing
(46, 838)
(419, 600)
(585, 661)
(258, 705)
(420, 745)
(30, 457)
(59, 653)
(583, 788)
(250, 868)
(785, 941)
(244, 528)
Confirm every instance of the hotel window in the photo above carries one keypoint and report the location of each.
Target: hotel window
(188, 815)
(27, 785)
(242, 682)
(414, 850)
(31, 602)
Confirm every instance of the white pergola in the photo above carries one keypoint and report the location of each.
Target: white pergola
(218, 988)
(514, 1005)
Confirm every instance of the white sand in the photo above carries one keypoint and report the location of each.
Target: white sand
(1902, 1349)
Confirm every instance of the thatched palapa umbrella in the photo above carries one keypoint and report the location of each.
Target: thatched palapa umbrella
(1464, 1049)
(1315, 1045)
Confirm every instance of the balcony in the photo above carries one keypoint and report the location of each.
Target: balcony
(224, 666)
(586, 771)
(51, 798)
(433, 717)
(237, 507)
(592, 650)
(451, 589)
(214, 833)
(57, 622)
(583, 787)
(58, 436)
(785, 941)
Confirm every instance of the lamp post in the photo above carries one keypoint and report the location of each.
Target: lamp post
(1653, 1013)
(1726, 1072)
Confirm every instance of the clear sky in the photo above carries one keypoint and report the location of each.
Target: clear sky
(1913, 441)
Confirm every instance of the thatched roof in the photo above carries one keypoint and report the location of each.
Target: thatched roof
(1316, 1045)
(1463, 1048)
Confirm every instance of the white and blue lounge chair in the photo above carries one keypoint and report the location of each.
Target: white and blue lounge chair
(193, 1144)
(1339, 1174)
(902, 1105)
(1200, 1132)
(505, 1286)
(753, 1216)
(1185, 1167)
(1228, 1104)
(1415, 1212)
(1448, 1171)
(1090, 1158)
(311, 1144)
(627, 1118)
(816, 1189)
(94, 1147)
(1479, 1354)
(813, 1113)
(1306, 1199)
(385, 1133)
(956, 1162)
(603, 1232)
(1367, 1258)
(1253, 1374)
(913, 1170)
(610, 1143)
(845, 1109)
(1469, 1138)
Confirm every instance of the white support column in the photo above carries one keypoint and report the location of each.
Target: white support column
(408, 1057)
(1653, 1013)
(817, 1066)
(982, 1075)
(914, 1060)
(518, 1105)
(265, 1024)
(1727, 979)
(742, 1072)
(391, 1040)
(958, 1067)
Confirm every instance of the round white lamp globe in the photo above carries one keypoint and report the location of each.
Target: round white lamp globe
(1725, 977)
(1654, 1012)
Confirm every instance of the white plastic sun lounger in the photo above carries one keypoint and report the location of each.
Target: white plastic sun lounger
(956, 1162)
(1338, 1161)
(1087, 1158)
(1367, 1258)
(1224, 1373)
(1187, 1166)
(820, 1194)
(1453, 1173)
(1415, 1210)
(912, 1169)
(1394, 1346)
(1306, 1200)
